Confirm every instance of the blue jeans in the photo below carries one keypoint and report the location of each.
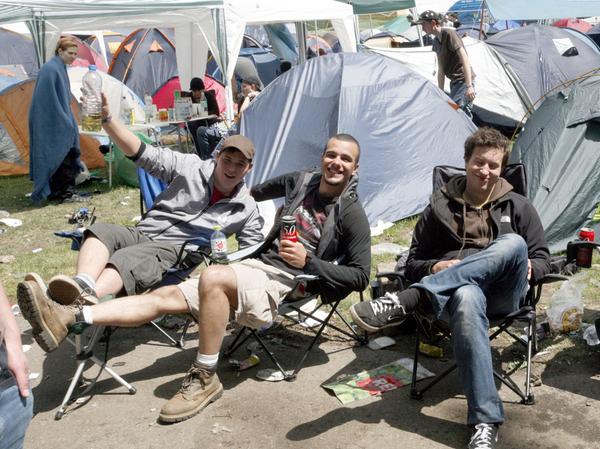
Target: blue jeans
(15, 415)
(207, 138)
(458, 89)
(492, 282)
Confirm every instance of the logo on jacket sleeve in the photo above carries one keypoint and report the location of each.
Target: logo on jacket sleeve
(505, 219)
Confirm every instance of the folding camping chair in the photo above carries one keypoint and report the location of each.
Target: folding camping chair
(293, 305)
(436, 331)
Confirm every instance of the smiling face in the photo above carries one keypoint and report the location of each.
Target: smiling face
(338, 163)
(68, 55)
(231, 168)
(483, 170)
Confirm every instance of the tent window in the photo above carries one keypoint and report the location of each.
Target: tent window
(129, 46)
(155, 47)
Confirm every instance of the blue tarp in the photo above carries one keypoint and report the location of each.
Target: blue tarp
(542, 9)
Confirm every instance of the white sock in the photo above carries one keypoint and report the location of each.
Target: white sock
(87, 280)
(87, 314)
(208, 362)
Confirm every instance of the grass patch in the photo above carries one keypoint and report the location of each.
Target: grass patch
(117, 205)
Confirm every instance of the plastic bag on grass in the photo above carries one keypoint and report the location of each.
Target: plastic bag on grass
(565, 310)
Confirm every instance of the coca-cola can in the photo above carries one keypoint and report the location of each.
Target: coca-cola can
(288, 228)
(586, 234)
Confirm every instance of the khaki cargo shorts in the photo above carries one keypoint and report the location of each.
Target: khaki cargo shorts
(261, 288)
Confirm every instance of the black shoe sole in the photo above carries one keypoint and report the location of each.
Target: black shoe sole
(31, 312)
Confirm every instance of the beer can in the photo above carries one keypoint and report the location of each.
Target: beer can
(288, 228)
(586, 234)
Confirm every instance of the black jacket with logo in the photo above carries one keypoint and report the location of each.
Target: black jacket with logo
(346, 236)
(435, 238)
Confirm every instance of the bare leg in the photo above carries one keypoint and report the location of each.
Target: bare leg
(133, 311)
(93, 257)
(218, 295)
(109, 282)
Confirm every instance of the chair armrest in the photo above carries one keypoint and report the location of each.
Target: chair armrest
(243, 253)
(306, 277)
(549, 278)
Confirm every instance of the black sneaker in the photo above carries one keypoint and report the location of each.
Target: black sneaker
(483, 436)
(372, 316)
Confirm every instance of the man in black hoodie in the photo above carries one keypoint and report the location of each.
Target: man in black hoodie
(331, 226)
(474, 251)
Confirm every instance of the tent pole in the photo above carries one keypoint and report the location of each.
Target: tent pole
(415, 13)
(481, 21)
(221, 27)
(301, 35)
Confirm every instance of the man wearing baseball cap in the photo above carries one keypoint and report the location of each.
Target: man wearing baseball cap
(129, 260)
(453, 60)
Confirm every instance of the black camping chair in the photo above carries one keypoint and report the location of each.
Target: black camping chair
(436, 331)
(293, 307)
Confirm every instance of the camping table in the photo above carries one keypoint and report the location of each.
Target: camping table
(135, 127)
(178, 124)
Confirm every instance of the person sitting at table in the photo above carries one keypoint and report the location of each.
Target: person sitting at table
(200, 93)
(208, 137)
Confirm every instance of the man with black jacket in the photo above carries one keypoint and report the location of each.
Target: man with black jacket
(474, 251)
(331, 225)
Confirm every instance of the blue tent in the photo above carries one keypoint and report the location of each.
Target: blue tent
(468, 11)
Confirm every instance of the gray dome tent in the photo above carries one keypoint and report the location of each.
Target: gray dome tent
(560, 147)
(404, 123)
(544, 57)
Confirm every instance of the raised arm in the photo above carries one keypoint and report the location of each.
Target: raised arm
(121, 136)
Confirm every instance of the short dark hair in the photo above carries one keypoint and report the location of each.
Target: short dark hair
(345, 138)
(488, 138)
(252, 80)
(196, 84)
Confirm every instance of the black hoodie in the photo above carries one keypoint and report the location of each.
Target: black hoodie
(436, 238)
(346, 236)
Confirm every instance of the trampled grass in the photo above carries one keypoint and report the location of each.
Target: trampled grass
(117, 205)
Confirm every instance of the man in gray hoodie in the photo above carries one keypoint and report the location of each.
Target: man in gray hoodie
(474, 251)
(118, 259)
(333, 242)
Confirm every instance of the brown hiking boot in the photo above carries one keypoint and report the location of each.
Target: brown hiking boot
(199, 388)
(66, 290)
(49, 320)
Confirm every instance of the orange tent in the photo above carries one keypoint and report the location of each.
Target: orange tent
(14, 131)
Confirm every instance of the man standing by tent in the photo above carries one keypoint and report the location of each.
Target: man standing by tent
(53, 135)
(453, 60)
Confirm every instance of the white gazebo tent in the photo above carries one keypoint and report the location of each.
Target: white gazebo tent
(199, 25)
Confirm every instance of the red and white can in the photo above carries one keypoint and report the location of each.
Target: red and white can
(288, 228)
(586, 234)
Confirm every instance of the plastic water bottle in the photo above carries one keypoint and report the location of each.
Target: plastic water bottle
(147, 100)
(218, 245)
(126, 112)
(590, 335)
(92, 106)
(148, 107)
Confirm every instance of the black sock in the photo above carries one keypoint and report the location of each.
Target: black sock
(409, 298)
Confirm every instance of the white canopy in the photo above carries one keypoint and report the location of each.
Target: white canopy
(199, 25)
(498, 90)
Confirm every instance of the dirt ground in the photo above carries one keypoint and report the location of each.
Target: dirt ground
(301, 414)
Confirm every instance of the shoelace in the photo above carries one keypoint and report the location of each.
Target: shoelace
(385, 304)
(483, 436)
(188, 381)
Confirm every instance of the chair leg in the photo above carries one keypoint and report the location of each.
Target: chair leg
(238, 341)
(83, 354)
